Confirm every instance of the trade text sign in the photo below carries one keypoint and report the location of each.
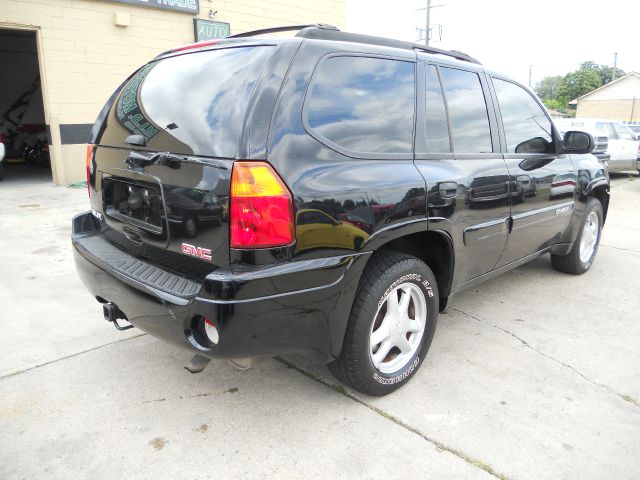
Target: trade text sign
(187, 6)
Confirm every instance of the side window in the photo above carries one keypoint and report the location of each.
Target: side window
(623, 132)
(607, 127)
(437, 128)
(526, 127)
(470, 129)
(364, 104)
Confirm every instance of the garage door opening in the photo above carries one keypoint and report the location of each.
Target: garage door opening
(22, 121)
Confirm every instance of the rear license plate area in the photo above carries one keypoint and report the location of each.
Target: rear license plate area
(134, 203)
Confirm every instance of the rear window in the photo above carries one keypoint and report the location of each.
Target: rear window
(193, 103)
(363, 104)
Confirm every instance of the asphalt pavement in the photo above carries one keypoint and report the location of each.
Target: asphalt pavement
(532, 375)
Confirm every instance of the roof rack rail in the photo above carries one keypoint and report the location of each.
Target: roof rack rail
(289, 28)
(335, 34)
(450, 53)
(323, 31)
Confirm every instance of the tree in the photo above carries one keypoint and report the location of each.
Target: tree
(556, 91)
(609, 74)
(549, 87)
(579, 82)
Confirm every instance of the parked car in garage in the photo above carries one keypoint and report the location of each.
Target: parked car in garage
(435, 157)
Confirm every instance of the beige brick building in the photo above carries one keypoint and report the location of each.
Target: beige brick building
(84, 49)
(618, 100)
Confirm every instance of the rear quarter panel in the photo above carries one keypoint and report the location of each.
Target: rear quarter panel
(382, 194)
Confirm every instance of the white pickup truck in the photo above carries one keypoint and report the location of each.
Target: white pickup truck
(623, 147)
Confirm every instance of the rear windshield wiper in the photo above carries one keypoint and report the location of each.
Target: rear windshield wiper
(167, 159)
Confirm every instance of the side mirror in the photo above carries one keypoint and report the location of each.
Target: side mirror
(533, 145)
(577, 142)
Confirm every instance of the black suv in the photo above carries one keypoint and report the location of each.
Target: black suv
(325, 195)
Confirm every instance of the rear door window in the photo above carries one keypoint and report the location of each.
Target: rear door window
(363, 104)
(467, 111)
(437, 134)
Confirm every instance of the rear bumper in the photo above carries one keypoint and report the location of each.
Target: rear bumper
(297, 307)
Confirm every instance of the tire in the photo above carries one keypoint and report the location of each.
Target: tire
(582, 254)
(190, 226)
(388, 274)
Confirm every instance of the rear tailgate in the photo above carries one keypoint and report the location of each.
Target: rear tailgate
(161, 168)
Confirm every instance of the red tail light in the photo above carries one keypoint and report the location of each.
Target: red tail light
(89, 158)
(261, 213)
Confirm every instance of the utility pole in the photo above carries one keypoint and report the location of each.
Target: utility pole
(530, 69)
(615, 65)
(427, 31)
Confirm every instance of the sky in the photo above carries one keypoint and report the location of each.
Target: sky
(553, 37)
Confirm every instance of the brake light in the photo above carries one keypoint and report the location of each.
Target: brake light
(261, 213)
(191, 46)
(89, 158)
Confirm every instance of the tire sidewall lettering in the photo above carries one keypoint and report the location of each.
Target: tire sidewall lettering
(406, 373)
(416, 277)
